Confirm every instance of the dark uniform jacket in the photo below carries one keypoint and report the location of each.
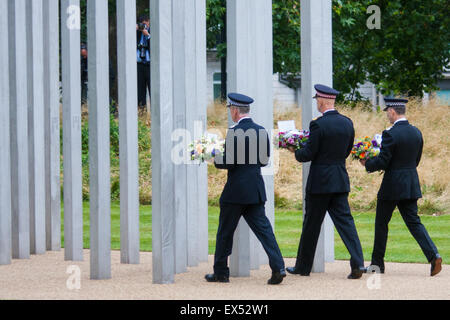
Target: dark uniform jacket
(330, 143)
(401, 150)
(245, 184)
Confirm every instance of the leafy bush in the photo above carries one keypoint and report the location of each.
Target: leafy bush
(144, 147)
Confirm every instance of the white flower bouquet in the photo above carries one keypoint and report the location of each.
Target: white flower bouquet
(206, 149)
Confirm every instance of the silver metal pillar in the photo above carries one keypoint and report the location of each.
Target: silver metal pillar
(189, 74)
(202, 170)
(129, 162)
(71, 91)
(180, 114)
(190, 96)
(36, 135)
(99, 139)
(163, 210)
(317, 67)
(52, 126)
(249, 34)
(237, 75)
(262, 48)
(5, 169)
(20, 203)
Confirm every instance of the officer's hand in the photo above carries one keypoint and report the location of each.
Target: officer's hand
(363, 162)
(145, 32)
(291, 149)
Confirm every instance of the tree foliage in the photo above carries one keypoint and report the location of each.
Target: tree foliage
(215, 24)
(406, 56)
(286, 36)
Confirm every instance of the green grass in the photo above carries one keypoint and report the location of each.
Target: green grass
(401, 245)
(145, 226)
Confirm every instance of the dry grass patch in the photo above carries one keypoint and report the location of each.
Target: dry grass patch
(433, 119)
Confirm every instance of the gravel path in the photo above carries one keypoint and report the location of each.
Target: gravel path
(45, 277)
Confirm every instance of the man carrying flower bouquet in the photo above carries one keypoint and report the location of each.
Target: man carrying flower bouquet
(400, 154)
(247, 149)
(330, 143)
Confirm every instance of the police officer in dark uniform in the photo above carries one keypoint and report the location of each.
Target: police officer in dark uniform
(247, 149)
(401, 151)
(330, 143)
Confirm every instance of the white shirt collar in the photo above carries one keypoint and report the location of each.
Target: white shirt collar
(401, 119)
(329, 110)
(243, 119)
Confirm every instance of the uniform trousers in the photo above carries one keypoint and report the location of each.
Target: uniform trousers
(316, 207)
(254, 215)
(408, 210)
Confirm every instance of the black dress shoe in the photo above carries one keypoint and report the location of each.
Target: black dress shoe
(356, 273)
(293, 270)
(277, 277)
(436, 265)
(216, 278)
